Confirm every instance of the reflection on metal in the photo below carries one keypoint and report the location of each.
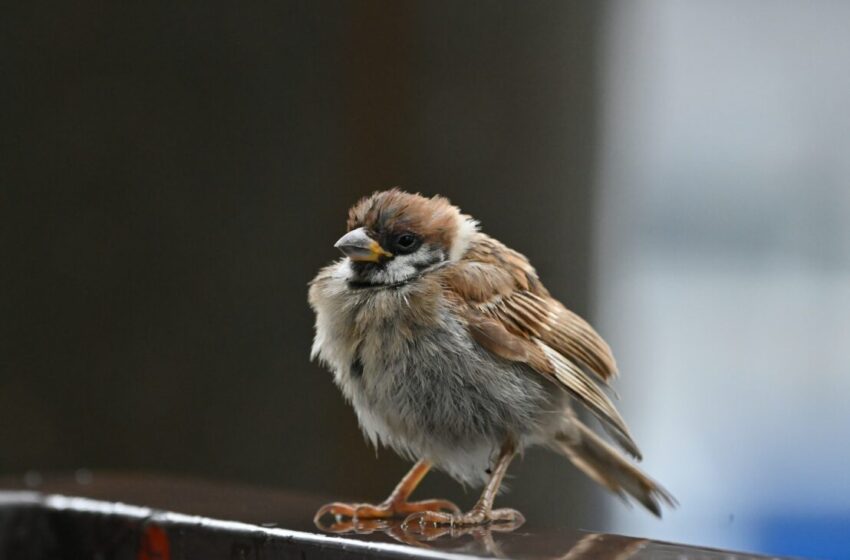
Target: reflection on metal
(56, 526)
(488, 540)
(67, 519)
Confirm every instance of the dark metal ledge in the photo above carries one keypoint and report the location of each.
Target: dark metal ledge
(50, 524)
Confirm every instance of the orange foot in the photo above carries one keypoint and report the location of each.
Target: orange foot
(386, 510)
(501, 519)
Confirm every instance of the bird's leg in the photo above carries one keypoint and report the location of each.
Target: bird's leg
(482, 513)
(396, 505)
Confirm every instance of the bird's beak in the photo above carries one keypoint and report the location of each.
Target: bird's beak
(358, 246)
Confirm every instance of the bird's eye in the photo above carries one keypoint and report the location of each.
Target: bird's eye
(405, 242)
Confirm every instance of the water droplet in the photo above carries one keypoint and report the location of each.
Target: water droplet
(33, 479)
(83, 476)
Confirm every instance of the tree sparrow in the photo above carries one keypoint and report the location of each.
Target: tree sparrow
(453, 354)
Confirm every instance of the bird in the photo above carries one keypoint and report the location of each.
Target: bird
(453, 354)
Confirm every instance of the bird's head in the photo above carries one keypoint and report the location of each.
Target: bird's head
(394, 236)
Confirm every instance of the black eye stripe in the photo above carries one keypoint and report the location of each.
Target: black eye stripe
(432, 260)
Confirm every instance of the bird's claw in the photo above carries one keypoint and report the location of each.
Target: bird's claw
(359, 513)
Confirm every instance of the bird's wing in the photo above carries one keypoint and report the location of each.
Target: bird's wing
(510, 313)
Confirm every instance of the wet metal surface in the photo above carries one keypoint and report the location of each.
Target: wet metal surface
(143, 517)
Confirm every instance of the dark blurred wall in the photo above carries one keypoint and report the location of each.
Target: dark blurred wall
(173, 175)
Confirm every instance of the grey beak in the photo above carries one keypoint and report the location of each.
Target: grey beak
(358, 246)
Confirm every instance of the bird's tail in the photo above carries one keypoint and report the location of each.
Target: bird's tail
(605, 465)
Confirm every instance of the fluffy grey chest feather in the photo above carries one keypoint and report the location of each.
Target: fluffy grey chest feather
(424, 388)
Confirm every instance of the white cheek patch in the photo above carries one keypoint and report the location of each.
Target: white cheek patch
(466, 230)
(399, 269)
(404, 267)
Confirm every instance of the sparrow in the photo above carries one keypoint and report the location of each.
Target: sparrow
(453, 353)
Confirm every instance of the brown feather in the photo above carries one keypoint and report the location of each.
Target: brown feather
(602, 463)
(510, 313)
(395, 210)
(496, 339)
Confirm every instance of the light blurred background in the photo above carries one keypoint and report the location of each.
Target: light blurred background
(678, 172)
(723, 263)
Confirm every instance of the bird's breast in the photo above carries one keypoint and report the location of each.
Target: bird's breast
(416, 379)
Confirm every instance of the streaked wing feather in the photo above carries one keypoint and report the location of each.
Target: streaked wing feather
(589, 394)
(569, 334)
(511, 314)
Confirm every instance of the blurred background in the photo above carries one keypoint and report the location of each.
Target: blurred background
(678, 172)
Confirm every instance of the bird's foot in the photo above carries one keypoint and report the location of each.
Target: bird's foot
(505, 519)
(386, 510)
